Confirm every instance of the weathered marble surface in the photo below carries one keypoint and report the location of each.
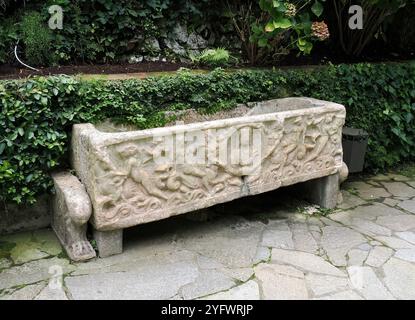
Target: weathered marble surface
(131, 178)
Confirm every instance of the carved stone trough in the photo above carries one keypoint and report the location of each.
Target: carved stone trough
(129, 178)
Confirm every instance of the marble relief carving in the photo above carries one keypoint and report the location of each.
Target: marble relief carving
(129, 182)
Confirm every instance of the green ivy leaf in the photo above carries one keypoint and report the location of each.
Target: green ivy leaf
(304, 46)
(29, 178)
(269, 27)
(317, 8)
(282, 23)
(44, 101)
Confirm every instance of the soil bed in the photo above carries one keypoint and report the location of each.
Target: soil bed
(322, 55)
(15, 72)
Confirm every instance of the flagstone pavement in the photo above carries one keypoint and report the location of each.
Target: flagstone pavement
(271, 246)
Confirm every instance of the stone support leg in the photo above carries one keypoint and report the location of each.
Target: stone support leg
(323, 191)
(72, 209)
(108, 242)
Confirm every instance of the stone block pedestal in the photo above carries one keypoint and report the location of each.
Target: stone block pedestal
(108, 242)
(322, 191)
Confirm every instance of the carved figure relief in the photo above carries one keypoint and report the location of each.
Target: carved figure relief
(129, 181)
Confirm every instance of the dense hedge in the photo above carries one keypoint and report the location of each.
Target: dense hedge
(379, 98)
(37, 114)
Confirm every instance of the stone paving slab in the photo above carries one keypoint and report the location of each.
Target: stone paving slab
(246, 291)
(399, 189)
(338, 241)
(33, 272)
(356, 257)
(28, 292)
(365, 281)
(256, 248)
(350, 200)
(399, 278)
(378, 256)
(281, 282)
(52, 293)
(322, 284)
(159, 282)
(344, 295)
(367, 191)
(408, 205)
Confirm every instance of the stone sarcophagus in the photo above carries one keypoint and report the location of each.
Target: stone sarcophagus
(135, 177)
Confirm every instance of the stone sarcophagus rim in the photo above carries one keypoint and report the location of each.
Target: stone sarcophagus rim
(135, 177)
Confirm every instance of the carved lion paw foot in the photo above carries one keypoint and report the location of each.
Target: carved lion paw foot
(81, 250)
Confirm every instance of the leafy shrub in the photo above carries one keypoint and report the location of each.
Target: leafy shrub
(270, 29)
(8, 38)
(379, 98)
(212, 57)
(288, 25)
(105, 31)
(101, 30)
(37, 39)
(109, 30)
(37, 114)
(34, 121)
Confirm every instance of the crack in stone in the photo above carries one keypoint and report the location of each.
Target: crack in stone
(237, 284)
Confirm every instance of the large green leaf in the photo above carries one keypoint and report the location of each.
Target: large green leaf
(282, 23)
(317, 8)
(269, 27)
